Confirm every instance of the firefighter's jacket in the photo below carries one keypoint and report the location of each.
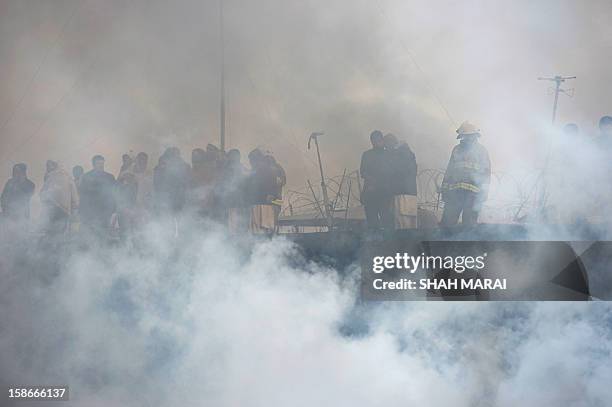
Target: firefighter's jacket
(469, 169)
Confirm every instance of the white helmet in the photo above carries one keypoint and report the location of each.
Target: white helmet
(467, 128)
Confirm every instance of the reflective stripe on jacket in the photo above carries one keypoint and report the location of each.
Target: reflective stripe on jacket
(469, 168)
(461, 185)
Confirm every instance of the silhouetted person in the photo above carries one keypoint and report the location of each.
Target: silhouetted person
(144, 179)
(216, 158)
(402, 182)
(605, 132)
(97, 198)
(281, 178)
(205, 176)
(126, 198)
(263, 186)
(198, 158)
(232, 192)
(374, 170)
(571, 129)
(466, 182)
(16, 195)
(126, 164)
(171, 180)
(77, 173)
(59, 199)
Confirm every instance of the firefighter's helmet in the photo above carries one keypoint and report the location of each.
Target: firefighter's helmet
(467, 128)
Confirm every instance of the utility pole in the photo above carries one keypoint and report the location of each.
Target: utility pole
(328, 209)
(222, 107)
(558, 80)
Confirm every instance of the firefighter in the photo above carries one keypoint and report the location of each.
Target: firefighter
(466, 181)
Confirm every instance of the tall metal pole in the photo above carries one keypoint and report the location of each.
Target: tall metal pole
(222, 107)
(558, 81)
(557, 87)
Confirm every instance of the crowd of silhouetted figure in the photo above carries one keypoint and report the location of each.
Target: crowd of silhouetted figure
(215, 186)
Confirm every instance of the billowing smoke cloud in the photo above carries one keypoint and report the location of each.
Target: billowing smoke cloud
(225, 323)
(218, 321)
(85, 77)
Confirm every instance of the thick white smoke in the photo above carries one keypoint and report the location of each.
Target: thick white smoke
(223, 321)
(227, 321)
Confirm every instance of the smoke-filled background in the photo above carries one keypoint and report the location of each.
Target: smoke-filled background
(218, 324)
(209, 321)
(85, 77)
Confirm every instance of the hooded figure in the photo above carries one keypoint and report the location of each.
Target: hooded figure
(59, 199)
(16, 195)
(466, 182)
(402, 182)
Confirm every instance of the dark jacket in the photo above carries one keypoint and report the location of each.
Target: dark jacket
(263, 185)
(403, 174)
(375, 171)
(15, 199)
(232, 187)
(279, 182)
(98, 189)
(127, 191)
(171, 181)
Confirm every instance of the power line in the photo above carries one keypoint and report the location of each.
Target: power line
(418, 67)
(30, 83)
(75, 84)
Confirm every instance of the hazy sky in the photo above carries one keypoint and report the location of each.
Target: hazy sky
(85, 77)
